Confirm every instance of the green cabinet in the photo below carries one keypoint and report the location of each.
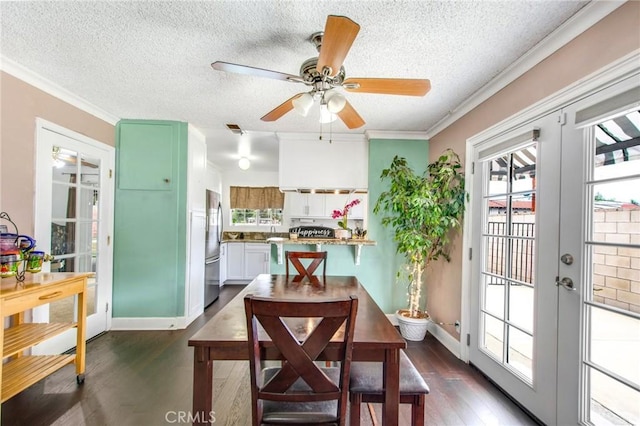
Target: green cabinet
(150, 230)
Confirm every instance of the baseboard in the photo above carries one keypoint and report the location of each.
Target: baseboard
(236, 282)
(392, 319)
(447, 340)
(155, 323)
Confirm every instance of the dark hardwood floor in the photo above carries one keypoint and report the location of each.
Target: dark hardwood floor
(144, 378)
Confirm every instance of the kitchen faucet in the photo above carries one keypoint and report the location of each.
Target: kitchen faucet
(272, 229)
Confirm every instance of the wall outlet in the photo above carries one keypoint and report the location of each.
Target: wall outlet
(457, 324)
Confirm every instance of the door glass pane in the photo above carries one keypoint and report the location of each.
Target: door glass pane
(498, 169)
(615, 343)
(64, 165)
(617, 150)
(90, 171)
(616, 212)
(612, 402)
(494, 256)
(521, 352)
(63, 240)
(492, 336)
(521, 304)
(494, 295)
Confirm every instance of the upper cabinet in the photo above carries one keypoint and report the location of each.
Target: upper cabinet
(148, 155)
(335, 162)
(305, 205)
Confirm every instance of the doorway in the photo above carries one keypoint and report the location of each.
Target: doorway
(555, 272)
(74, 222)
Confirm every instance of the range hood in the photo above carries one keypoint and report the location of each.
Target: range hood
(307, 164)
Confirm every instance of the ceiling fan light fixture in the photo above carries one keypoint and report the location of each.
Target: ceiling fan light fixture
(244, 163)
(335, 101)
(326, 116)
(303, 103)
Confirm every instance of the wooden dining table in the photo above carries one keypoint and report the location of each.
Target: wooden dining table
(224, 337)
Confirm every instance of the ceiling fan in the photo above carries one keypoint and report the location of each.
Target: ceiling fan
(325, 73)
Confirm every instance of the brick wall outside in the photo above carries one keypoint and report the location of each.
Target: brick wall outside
(616, 270)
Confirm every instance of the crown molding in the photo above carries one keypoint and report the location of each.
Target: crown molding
(11, 67)
(584, 19)
(390, 134)
(326, 136)
(625, 67)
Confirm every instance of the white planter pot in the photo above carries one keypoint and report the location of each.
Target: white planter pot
(412, 328)
(342, 234)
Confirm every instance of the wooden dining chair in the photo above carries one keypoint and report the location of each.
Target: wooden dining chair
(308, 271)
(300, 392)
(366, 386)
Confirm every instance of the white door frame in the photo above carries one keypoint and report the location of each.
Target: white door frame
(42, 208)
(601, 79)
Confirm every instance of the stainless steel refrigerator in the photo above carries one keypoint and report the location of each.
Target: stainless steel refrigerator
(212, 248)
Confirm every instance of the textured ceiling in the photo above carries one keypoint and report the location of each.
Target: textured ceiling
(152, 59)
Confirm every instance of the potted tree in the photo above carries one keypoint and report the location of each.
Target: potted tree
(422, 210)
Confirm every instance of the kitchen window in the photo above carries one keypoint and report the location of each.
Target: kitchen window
(261, 206)
(260, 217)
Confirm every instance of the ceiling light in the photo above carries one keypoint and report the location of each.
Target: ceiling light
(244, 163)
(325, 115)
(335, 101)
(302, 104)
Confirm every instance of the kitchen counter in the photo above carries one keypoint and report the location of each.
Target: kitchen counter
(330, 241)
(318, 242)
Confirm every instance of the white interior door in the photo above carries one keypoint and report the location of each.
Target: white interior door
(74, 222)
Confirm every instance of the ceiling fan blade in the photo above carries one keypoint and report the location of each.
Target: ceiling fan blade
(388, 86)
(339, 34)
(281, 109)
(350, 117)
(256, 72)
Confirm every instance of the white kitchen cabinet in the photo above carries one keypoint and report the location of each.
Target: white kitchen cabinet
(256, 259)
(246, 260)
(305, 205)
(235, 261)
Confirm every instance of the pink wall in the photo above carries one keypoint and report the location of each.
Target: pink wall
(610, 39)
(20, 104)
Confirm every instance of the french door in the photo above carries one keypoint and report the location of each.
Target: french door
(515, 204)
(74, 221)
(556, 260)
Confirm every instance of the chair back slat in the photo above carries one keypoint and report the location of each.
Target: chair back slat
(301, 379)
(317, 257)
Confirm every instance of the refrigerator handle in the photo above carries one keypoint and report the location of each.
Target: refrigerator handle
(219, 236)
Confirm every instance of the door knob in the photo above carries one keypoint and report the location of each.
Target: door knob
(566, 282)
(567, 259)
